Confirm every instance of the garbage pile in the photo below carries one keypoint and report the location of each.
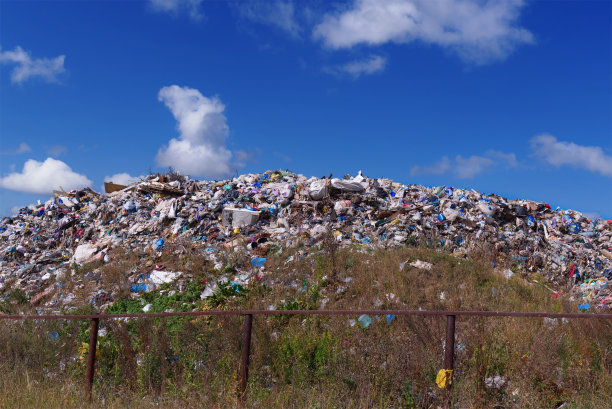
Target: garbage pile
(250, 212)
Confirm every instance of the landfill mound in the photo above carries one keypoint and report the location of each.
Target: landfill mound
(46, 243)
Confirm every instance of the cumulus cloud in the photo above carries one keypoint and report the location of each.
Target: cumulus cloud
(558, 153)
(192, 7)
(26, 67)
(200, 149)
(372, 64)
(279, 14)
(22, 148)
(477, 31)
(467, 168)
(44, 177)
(123, 178)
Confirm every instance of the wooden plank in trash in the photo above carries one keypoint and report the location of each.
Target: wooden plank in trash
(110, 187)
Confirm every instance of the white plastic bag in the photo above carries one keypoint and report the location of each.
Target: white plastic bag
(318, 190)
(347, 185)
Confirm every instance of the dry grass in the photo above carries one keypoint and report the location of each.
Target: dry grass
(323, 361)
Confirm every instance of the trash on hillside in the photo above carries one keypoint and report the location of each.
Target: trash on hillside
(444, 378)
(496, 382)
(258, 262)
(276, 210)
(364, 320)
(423, 265)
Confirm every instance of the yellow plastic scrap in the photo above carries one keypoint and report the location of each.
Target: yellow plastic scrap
(84, 351)
(444, 378)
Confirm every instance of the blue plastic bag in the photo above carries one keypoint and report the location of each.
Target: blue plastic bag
(139, 287)
(364, 320)
(258, 261)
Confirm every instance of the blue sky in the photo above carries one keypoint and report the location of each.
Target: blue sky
(505, 97)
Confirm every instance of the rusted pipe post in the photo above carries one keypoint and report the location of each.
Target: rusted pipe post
(449, 357)
(91, 358)
(246, 351)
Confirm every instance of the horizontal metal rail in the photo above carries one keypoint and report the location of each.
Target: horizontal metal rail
(309, 312)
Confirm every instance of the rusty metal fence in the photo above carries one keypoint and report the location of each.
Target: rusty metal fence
(449, 346)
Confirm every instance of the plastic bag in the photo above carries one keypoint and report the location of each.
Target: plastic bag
(318, 190)
(347, 185)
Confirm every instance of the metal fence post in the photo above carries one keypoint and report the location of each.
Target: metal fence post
(91, 358)
(246, 351)
(449, 357)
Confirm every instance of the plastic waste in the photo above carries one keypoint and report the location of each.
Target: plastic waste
(258, 262)
(275, 210)
(365, 320)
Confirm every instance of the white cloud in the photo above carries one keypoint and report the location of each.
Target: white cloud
(200, 150)
(44, 177)
(243, 157)
(285, 158)
(27, 67)
(123, 178)
(56, 150)
(280, 14)
(509, 159)
(22, 148)
(467, 168)
(557, 153)
(477, 31)
(438, 168)
(192, 7)
(372, 64)
(470, 167)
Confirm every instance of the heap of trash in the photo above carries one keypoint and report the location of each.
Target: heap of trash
(45, 242)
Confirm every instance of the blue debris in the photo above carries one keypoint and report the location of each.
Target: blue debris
(258, 262)
(139, 287)
(364, 320)
(53, 335)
